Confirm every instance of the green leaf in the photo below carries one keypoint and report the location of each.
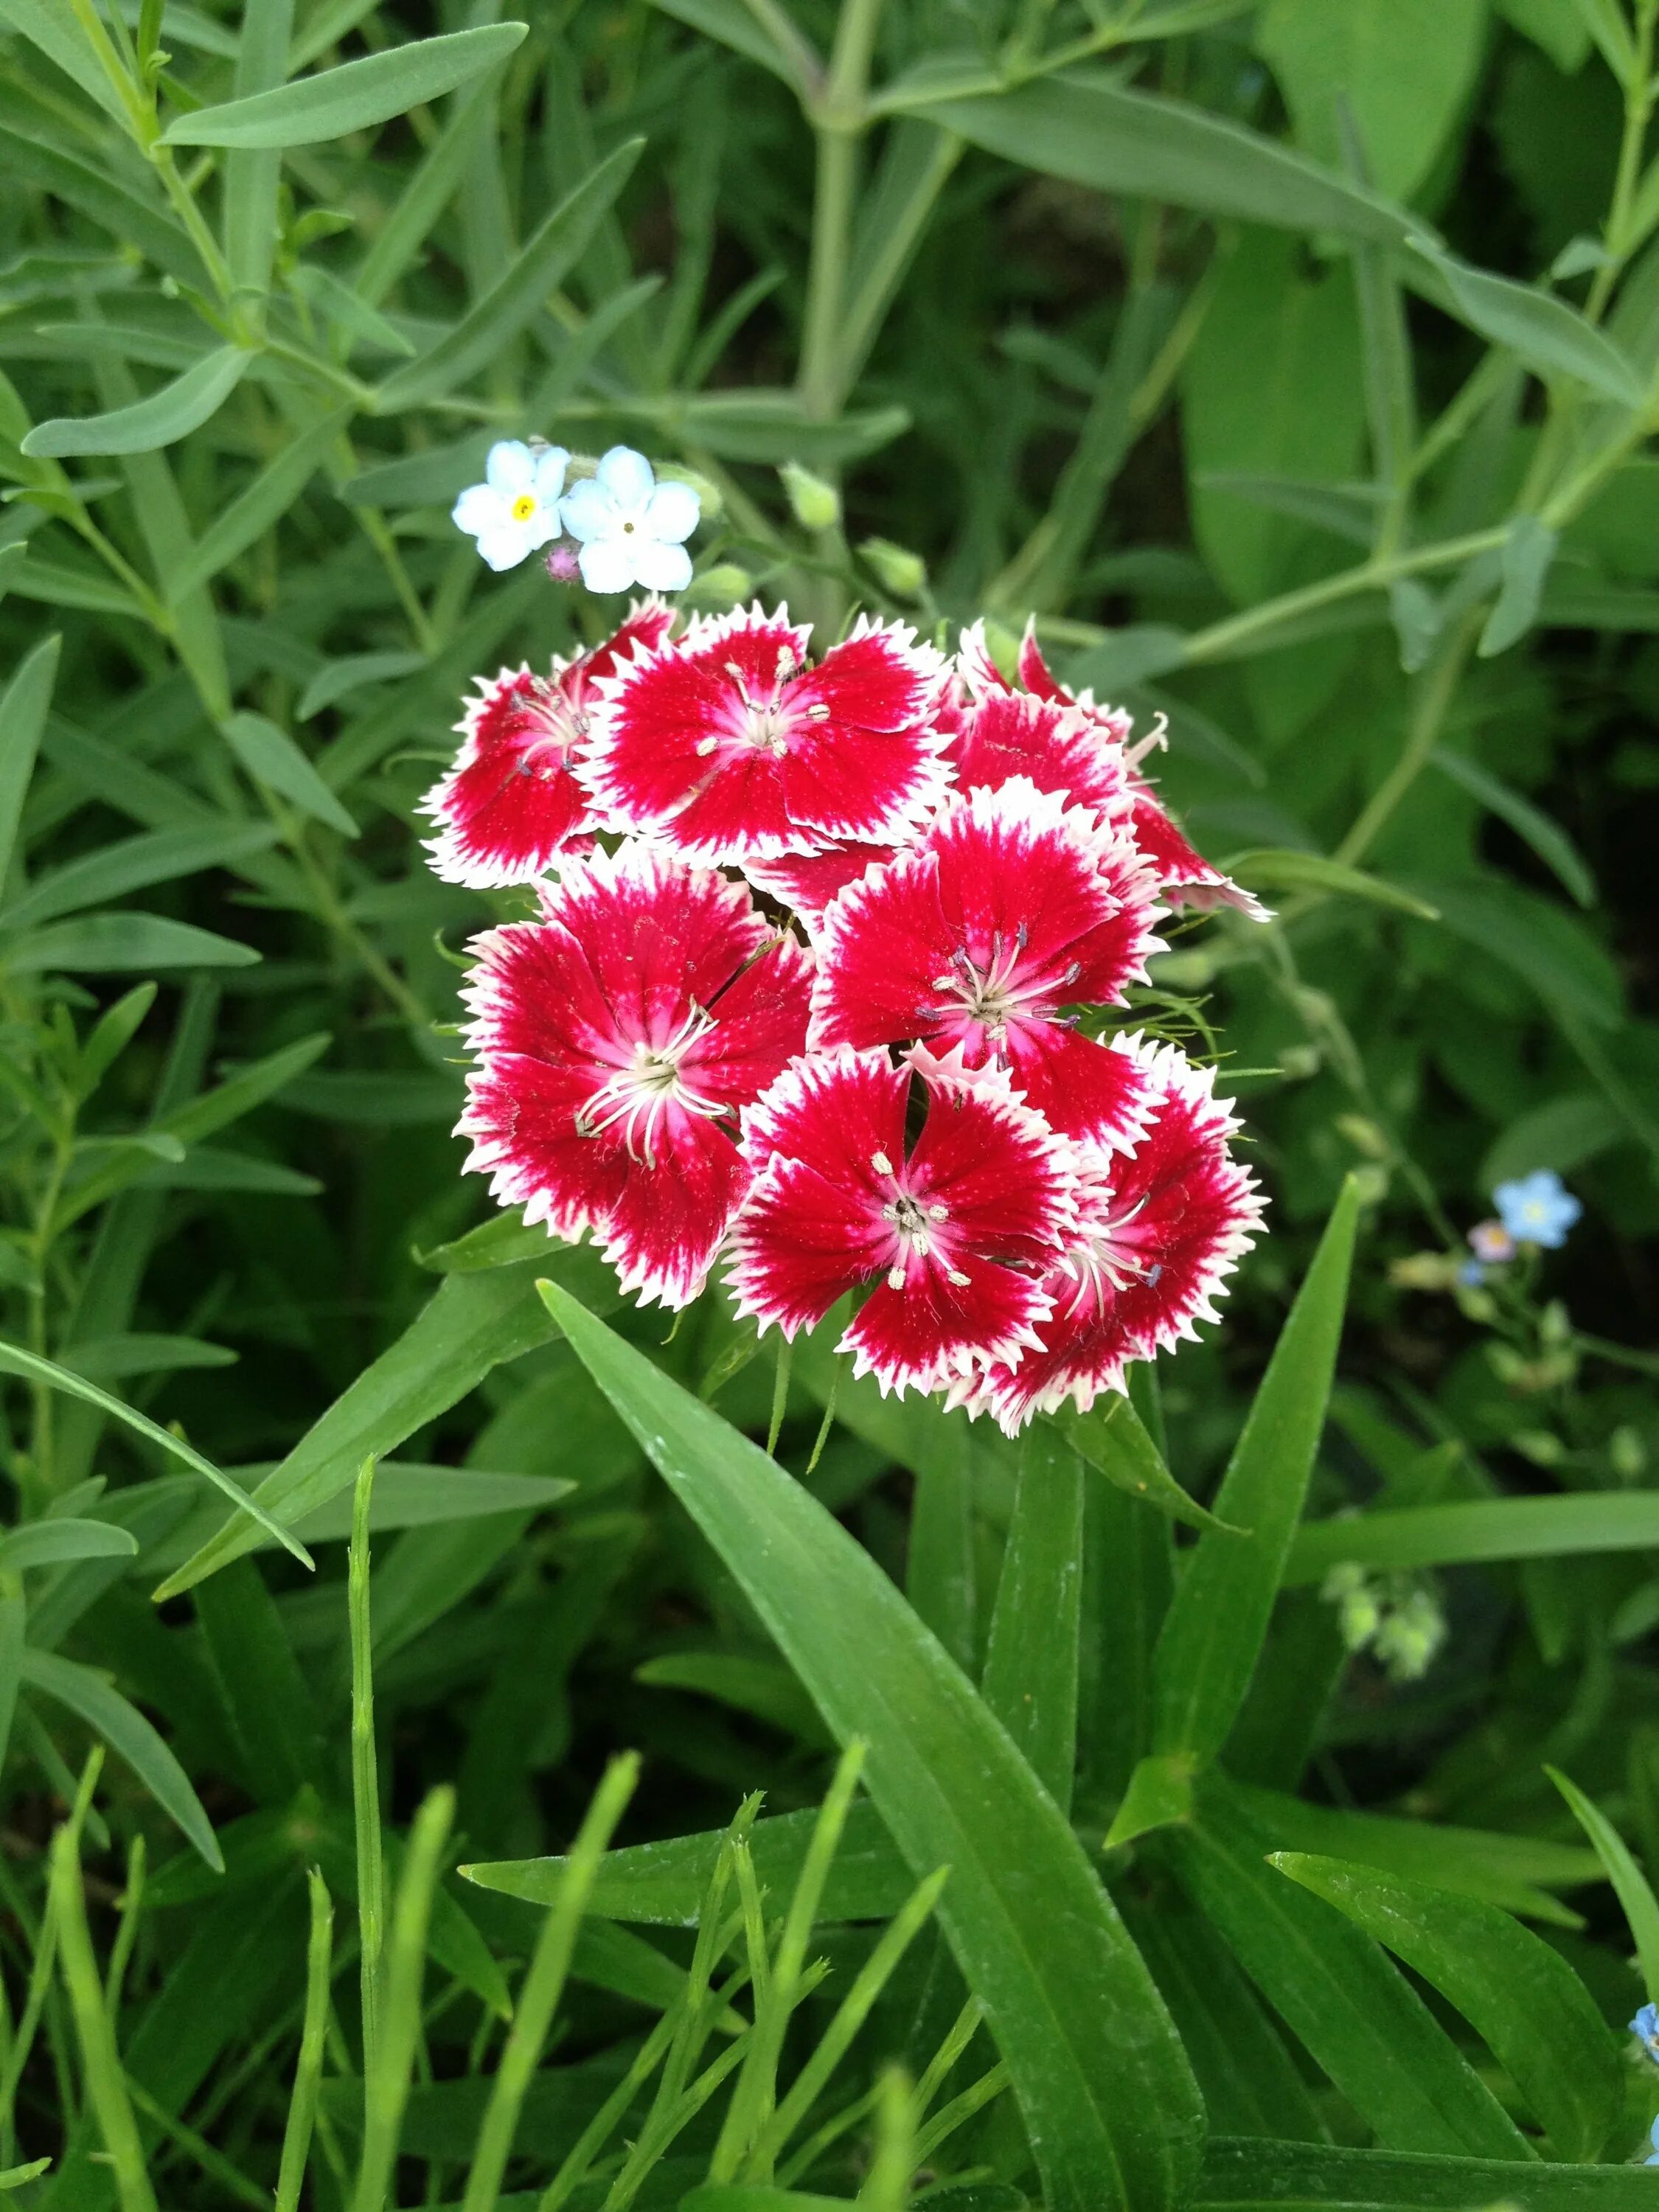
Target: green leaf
(1561, 1135)
(760, 1687)
(1091, 131)
(1159, 1795)
(264, 1697)
(272, 757)
(1110, 2103)
(129, 1735)
(1528, 549)
(336, 679)
(1513, 1871)
(520, 295)
(22, 717)
(1213, 1632)
(1405, 69)
(356, 96)
(1550, 338)
(1630, 1885)
(1545, 946)
(160, 420)
(1332, 1987)
(664, 1884)
(1247, 2174)
(49, 1543)
(112, 1358)
(736, 24)
(773, 427)
(473, 1324)
(114, 943)
(1518, 1994)
(1030, 1673)
(1605, 22)
(253, 174)
(14, 1360)
(57, 31)
(1479, 1528)
(258, 509)
(1114, 1440)
(162, 856)
(1552, 843)
(1283, 868)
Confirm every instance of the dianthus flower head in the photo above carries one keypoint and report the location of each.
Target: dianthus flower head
(729, 746)
(615, 1041)
(510, 807)
(1011, 907)
(1158, 1231)
(1184, 876)
(953, 1231)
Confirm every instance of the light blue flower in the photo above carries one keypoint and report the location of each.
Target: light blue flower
(1645, 2028)
(515, 510)
(1537, 1209)
(632, 530)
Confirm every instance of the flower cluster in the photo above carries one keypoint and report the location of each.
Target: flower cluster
(629, 530)
(823, 980)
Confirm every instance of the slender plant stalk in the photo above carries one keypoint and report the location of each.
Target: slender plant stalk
(308, 2074)
(544, 1984)
(365, 1776)
(385, 2086)
(1433, 704)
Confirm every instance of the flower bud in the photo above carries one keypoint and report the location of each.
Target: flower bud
(725, 585)
(815, 504)
(902, 573)
(1627, 1453)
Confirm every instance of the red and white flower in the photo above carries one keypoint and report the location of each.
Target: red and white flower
(511, 805)
(807, 881)
(1159, 1230)
(953, 1232)
(730, 745)
(1184, 876)
(616, 1040)
(1013, 907)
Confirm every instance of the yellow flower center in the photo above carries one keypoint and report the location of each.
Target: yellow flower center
(524, 507)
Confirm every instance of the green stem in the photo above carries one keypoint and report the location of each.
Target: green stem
(840, 119)
(1638, 110)
(365, 1777)
(1433, 702)
(308, 2074)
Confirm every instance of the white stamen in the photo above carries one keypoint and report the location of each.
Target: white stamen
(881, 1163)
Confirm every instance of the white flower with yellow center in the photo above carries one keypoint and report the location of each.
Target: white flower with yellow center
(515, 510)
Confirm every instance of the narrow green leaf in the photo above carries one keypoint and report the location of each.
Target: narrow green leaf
(737, 25)
(160, 420)
(130, 1736)
(49, 1543)
(265, 1697)
(1527, 551)
(1031, 1660)
(14, 1622)
(356, 96)
(1091, 131)
(1547, 839)
(1479, 1528)
(663, 1884)
(1550, 338)
(1284, 869)
(1563, 1133)
(116, 944)
(1160, 1793)
(1111, 2105)
(1546, 947)
(1359, 2020)
(473, 1323)
(423, 196)
(336, 679)
(759, 1686)
(271, 756)
(258, 509)
(14, 1360)
(1247, 2174)
(162, 856)
(1219, 1617)
(1631, 1885)
(22, 717)
(252, 174)
(1113, 1439)
(57, 31)
(1516, 1993)
(522, 292)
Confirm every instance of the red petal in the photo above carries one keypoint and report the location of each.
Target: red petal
(933, 1330)
(1057, 747)
(510, 806)
(673, 1211)
(521, 1115)
(799, 1243)
(886, 943)
(759, 1026)
(995, 1166)
(1186, 877)
(1081, 1088)
(805, 883)
(836, 1110)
